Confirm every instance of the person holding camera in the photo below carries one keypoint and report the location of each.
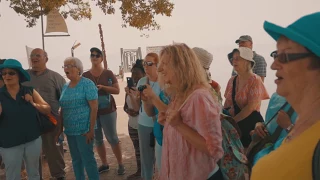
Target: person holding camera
(146, 123)
(137, 73)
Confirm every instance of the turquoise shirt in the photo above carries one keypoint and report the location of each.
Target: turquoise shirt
(75, 106)
(157, 128)
(144, 119)
(275, 104)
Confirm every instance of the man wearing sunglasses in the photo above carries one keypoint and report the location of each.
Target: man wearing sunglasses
(49, 85)
(260, 67)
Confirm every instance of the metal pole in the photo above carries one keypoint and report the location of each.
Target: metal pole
(42, 29)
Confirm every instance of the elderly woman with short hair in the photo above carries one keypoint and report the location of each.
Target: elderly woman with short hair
(297, 66)
(244, 94)
(79, 106)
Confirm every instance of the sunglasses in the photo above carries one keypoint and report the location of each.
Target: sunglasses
(148, 63)
(288, 57)
(68, 66)
(10, 73)
(95, 55)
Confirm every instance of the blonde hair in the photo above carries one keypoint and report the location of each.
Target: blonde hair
(187, 69)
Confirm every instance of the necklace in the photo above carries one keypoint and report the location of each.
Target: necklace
(96, 79)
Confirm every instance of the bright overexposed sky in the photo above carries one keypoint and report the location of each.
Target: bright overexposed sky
(210, 24)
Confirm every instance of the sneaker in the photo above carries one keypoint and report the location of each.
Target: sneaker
(134, 176)
(121, 170)
(103, 168)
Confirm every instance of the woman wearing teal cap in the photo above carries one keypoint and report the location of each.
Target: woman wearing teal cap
(19, 128)
(297, 65)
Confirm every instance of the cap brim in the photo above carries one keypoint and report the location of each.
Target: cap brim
(238, 40)
(276, 32)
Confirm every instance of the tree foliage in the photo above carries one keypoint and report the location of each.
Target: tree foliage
(139, 14)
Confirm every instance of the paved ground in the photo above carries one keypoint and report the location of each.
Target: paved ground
(127, 149)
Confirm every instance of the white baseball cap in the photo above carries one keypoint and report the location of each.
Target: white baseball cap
(246, 53)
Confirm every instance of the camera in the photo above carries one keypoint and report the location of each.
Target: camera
(141, 88)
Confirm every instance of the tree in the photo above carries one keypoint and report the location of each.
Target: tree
(139, 14)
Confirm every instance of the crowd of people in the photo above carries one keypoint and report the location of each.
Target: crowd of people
(179, 123)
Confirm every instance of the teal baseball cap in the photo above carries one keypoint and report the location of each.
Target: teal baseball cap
(305, 31)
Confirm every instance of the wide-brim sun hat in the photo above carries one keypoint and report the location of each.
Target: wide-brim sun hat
(15, 64)
(305, 31)
(247, 54)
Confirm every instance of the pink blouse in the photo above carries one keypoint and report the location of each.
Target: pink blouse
(180, 159)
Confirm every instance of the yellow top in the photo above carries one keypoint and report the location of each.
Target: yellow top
(291, 161)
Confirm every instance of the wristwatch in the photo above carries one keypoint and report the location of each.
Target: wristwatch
(289, 128)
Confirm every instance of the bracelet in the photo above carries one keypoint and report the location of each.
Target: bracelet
(289, 128)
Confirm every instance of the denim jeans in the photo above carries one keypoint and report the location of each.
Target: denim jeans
(12, 158)
(82, 158)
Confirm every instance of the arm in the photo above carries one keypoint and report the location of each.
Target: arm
(262, 78)
(40, 104)
(246, 111)
(93, 113)
(193, 137)
(114, 89)
(205, 133)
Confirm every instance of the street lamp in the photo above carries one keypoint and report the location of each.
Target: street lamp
(74, 46)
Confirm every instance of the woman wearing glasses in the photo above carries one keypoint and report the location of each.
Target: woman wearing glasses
(19, 128)
(146, 123)
(297, 66)
(79, 106)
(107, 85)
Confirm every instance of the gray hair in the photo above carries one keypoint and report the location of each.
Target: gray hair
(77, 63)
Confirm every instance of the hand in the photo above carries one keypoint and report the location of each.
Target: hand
(89, 136)
(261, 130)
(29, 98)
(131, 112)
(162, 118)
(57, 136)
(283, 119)
(126, 89)
(132, 92)
(100, 87)
(174, 118)
(148, 93)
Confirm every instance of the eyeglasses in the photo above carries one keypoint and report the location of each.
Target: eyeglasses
(95, 55)
(35, 55)
(288, 57)
(10, 73)
(68, 66)
(148, 63)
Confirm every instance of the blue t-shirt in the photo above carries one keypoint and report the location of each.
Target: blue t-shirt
(275, 104)
(157, 128)
(75, 106)
(144, 119)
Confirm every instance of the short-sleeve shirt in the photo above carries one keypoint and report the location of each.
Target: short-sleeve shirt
(181, 159)
(144, 119)
(103, 79)
(49, 85)
(75, 106)
(254, 90)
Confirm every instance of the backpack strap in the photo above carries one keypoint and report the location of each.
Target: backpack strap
(316, 162)
(235, 105)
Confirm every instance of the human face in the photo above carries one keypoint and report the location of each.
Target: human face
(150, 66)
(247, 44)
(291, 77)
(96, 58)
(136, 75)
(166, 69)
(71, 70)
(239, 64)
(38, 59)
(10, 76)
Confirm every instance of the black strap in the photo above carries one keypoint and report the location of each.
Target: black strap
(235, 105)
(277, 132)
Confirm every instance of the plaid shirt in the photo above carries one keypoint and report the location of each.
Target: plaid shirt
(260, 67)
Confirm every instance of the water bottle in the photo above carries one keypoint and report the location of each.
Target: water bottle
(109, 84)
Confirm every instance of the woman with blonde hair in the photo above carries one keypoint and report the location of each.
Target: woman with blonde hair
(192, 129)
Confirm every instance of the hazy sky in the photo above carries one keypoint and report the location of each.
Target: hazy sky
(211, 24)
